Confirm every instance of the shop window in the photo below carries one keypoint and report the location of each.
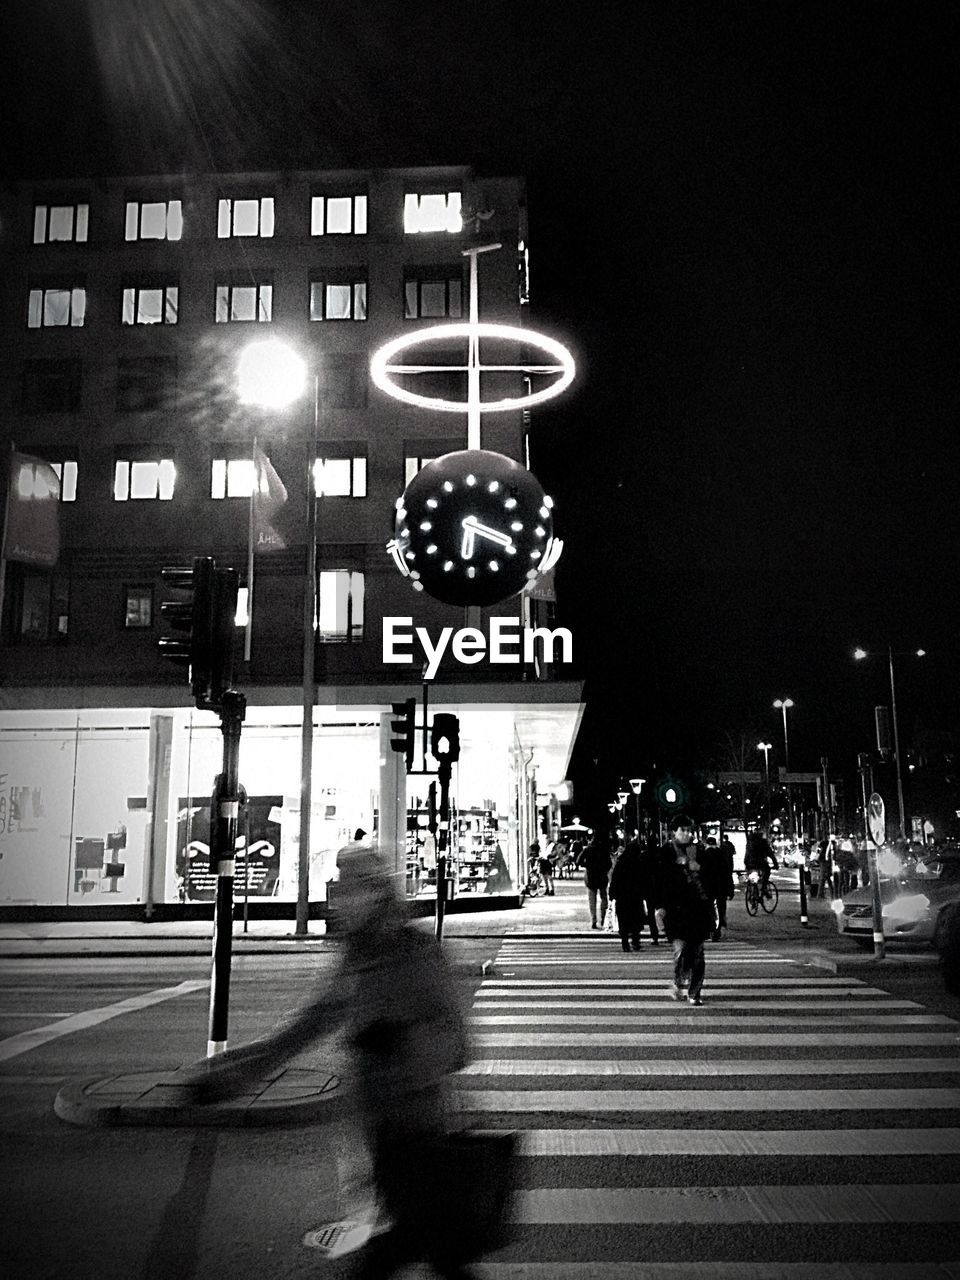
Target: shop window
(341, 477)
(343, 215)
(340, 606)
(344, 298)
(434, 211)
(60, 222)
(56, 306)
(51, 386)
(154, 220)
(432, 293)
(137, 608)
(145, 383)
(231, 478)
(343, 381)
(150, 304)
(245, 217)
(147, 479)
(240, 302)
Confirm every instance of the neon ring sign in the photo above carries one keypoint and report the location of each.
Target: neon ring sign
(383, 368)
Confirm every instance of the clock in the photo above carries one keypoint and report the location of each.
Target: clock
(474, 527)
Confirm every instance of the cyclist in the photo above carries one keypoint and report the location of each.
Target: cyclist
(760, 857)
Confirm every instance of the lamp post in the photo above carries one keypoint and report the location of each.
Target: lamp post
(273, 376)
(781, 704)
(859, 655)
(636, 786)
(765, 748)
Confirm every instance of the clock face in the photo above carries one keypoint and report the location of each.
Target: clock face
(474, 527)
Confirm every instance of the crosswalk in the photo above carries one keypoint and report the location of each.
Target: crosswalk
(798, 1126)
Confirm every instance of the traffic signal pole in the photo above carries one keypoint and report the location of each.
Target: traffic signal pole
(443, 845)
(223, 844)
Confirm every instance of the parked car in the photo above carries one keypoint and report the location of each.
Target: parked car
(917, 901)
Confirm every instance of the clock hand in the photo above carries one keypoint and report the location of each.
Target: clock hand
(473, 529)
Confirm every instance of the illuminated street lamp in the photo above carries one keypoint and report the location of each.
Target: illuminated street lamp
(636, 786)
(781, 704)
(273, 376)
(765, 748)
(859, 655)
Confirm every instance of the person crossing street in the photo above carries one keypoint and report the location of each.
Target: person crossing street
(685, 907)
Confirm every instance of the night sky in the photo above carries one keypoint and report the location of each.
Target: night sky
(741, 219)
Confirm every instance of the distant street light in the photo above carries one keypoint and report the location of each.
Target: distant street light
(765, 748)
(781, 704)
(273, 376)
(859, 655)
(636, 786)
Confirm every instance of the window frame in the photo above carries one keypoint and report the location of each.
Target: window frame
(227, 217)
(166, 386)
(230, 287)
(151, 455)
(353, 630)
(356, 455)
(146, 591)
(146, 284)
(172, 218)
(413, 213)
(434, 273)
(359, 212)
(79, 221)
(77, 306)
(353, 278)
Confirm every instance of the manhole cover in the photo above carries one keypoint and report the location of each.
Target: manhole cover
(337, 1238)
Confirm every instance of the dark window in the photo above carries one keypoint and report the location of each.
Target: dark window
(37, 605)
(51, 386)
(432, 293)
(344, 381)
(145, 383)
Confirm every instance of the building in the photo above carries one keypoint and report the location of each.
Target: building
(124, 307)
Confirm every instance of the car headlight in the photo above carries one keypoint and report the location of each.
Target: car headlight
(907, 909)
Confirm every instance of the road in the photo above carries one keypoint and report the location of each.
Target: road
(800, 1122)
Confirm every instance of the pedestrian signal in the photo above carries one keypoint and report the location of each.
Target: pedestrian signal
(445, 737)
(404, 729)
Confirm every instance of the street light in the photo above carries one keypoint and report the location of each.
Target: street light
(273, 376)
(859, 655)
(636, 786)
(765, 748)
(781, 704)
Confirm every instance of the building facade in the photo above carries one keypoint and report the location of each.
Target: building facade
(125, 307)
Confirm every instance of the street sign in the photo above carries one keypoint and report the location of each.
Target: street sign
(877, 819)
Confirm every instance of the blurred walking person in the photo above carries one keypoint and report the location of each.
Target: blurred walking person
(627, 891)
(596, 860)
(685, 907)
(717, 878)
(397, 1000)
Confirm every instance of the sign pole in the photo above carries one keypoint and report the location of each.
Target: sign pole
(877, 827)
(223, 844)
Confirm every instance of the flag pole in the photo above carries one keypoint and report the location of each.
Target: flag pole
(253, 489)
(3, 535)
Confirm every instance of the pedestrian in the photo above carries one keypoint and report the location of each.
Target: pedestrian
(596, 860)
(393, 992)
(717, 877)
(626, 892)
(685, 907)
(546, 866)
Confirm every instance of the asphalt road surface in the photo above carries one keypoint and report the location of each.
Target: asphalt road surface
(801, 1125)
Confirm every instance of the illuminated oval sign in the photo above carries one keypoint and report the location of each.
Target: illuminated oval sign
(474, 527)
(383, 367)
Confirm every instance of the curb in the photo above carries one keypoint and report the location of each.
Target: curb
(292, 1096)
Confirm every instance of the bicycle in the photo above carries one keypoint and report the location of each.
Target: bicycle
(753, 898)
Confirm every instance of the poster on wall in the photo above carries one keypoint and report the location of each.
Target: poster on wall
(257, 873)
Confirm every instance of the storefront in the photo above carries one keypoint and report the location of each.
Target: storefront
(107, 807)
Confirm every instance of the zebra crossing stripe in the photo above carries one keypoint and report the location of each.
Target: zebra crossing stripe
(712, 1039)
(839, 985)
(689, 1100)
(789, 1002)
(685, 1067)
(822, 1205)
(597, 961)
(716, 1271)
(681, 1017)
(582, 1143)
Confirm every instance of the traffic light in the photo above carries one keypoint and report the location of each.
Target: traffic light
(204, 615)
(445, 737)
(405, 728)
(671, 794)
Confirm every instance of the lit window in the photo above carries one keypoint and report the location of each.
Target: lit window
(436, 212)
(244, 302)
(338, 216)
(341, 477)
(340, 606)
(137, 607)
(231, 478)
(144, 481)
(248, 217)
(338, 299)
(154, 220)
(432, 293)
(153, 304)
(52, 222)
(51, 308)
(66, 473)
(412, 465)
